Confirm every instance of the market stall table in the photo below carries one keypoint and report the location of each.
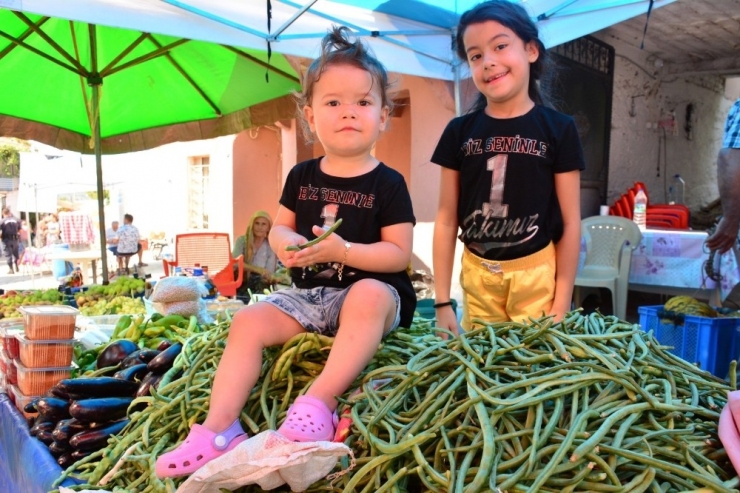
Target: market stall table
(25, 463)
(673, 262)
(86, 258)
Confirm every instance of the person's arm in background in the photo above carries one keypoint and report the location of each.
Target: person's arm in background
(728, 182)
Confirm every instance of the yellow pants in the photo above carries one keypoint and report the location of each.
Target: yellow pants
(500, 291)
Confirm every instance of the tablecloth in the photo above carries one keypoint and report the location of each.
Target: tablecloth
(77, 228)
(677, 259)
(26, 466)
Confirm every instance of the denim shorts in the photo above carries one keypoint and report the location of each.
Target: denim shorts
(317, 309)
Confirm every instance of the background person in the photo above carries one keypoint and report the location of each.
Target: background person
(111, 237)
(128, 243)
(53, 230)
(10, 228)
(260, 262)
(517, 205)
(728, 181)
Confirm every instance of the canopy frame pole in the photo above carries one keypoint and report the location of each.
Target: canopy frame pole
(215, 18)
(145, 58)
(95, 82)
(50, 41)
(293, 18)
(125, 52)
(262, 64)
(22, 37)
(40, 53)
(187, 77)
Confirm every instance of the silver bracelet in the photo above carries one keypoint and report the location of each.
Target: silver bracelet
(340, 270)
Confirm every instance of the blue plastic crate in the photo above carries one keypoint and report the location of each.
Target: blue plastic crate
(710, 343)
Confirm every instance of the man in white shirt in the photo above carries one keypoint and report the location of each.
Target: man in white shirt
(128, 243)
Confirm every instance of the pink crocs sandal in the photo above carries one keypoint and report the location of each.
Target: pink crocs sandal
(309, 420)
(200, 447)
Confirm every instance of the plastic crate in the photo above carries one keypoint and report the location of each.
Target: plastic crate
(45, 354)
(709, 343)
(8, 370)
(49, 322)
(9, 342)
(37, 381)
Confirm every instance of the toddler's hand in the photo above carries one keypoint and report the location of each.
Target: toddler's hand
(330, 249)
(285, 256)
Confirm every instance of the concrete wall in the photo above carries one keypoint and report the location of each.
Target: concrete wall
(257, 175)
(639, 143)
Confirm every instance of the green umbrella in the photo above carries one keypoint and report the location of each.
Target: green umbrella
(100, 89)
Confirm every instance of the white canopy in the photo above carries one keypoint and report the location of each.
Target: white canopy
(408, 36)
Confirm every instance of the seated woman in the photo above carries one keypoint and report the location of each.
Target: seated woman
(260, 262)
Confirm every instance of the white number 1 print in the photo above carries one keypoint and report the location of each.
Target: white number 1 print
(495, 206)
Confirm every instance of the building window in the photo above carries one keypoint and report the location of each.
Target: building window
(198, 186)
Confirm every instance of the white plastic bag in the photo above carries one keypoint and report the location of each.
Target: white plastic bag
(269, 460)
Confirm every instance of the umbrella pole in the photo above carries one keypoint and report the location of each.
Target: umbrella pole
(99, 173)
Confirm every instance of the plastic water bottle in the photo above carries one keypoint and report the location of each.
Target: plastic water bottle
(679, 190)
(639, 215)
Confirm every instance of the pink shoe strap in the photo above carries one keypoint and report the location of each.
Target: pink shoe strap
(222, 440)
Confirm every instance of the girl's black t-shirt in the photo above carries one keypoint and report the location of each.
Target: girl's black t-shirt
(365, 203)
(507, 206)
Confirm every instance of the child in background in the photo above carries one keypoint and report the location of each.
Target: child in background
(352, 285)
(510, 180)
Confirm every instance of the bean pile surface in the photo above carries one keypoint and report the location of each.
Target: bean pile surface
(590, 404)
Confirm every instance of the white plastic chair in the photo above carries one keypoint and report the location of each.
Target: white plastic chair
(609, 244)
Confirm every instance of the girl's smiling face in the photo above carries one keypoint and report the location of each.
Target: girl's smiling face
(500, 64)
(346, 111)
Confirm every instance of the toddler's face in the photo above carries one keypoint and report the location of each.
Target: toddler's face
(346, 111)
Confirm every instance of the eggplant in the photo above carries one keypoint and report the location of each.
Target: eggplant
(80, 454)
(98, 438)
(58, 448)
(115, 352)
(138, 357)
(65, 460)
(98, 387)
(132, 373)
(30, 407)
(164, 360)
(45, 436)
(149, 381)
(41, 425)
(164, 345)
(100, 409)
(68, 427)
(53, 408)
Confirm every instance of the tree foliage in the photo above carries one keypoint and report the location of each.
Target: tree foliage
(10, 160)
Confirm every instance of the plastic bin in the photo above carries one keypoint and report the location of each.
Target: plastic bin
(709, 343)
(44, 354)
(426, 309)
(9, 342)
(37, 381)
(61, 268)
(49, 322)
(7, 368)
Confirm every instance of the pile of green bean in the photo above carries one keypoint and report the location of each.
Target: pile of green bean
(127, 463)
(590, 404)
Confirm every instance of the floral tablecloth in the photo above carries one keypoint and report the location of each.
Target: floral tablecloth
(678, 259)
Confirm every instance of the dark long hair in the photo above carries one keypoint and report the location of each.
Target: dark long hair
(516, 18)
(337, 48)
